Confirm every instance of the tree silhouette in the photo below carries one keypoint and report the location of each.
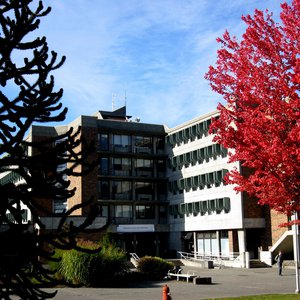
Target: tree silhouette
(259, 79)
(27, 97)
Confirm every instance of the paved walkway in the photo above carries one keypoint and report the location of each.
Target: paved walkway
(227, 282)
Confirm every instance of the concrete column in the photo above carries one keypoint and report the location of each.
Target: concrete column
(218, 242)
(242, 240)
(247, 259)
(195, 244)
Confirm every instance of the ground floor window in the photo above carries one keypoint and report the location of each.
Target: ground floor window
(145, 212)
(123, 211)
(60, 206)
(224, 242)
(103, 211)
(209, 243)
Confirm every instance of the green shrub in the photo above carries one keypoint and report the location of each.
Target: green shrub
(155, 268)
(95, 269)
(55, 264)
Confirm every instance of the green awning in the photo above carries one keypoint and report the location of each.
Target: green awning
(193, 131)
(216, 149)
(227, 204)
(188, 183)
(196, 207)
(189, 208)
(204, 206)
(201, 154)
(181, 208)
(209, 178)
(180, 184)
(195, 181)
(194, 156)
(212, 205)
(200, 129)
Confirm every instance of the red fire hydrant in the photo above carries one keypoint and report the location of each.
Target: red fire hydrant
(166, 293)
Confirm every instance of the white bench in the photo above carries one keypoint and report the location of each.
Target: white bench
(187, 276)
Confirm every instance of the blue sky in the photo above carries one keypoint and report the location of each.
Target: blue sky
(154, 52)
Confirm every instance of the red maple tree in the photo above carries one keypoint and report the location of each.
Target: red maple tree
(259, 78)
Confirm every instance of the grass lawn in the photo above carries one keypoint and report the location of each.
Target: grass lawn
(264, 297)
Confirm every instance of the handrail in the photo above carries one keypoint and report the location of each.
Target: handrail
(134, 256)
(208, 256)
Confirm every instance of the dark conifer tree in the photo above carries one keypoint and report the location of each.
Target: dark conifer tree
(28, 97)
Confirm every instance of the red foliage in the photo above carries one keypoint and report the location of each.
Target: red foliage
(259, 77)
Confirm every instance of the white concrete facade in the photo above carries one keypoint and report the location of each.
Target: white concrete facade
(184, 144)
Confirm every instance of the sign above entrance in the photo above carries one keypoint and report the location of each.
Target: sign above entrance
(136, 228)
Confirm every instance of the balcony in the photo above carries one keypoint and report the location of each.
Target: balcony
(123, 196)
(146, 197)
(122, 148)
(143, 173)
(143, 150)
(121, 172)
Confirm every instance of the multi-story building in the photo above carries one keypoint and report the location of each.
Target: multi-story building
(162, 190)
(129, 183)
(207, 216)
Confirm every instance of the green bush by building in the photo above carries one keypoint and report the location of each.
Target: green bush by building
(154, 268)
(91, 269)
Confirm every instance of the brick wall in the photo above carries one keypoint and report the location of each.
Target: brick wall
(251, 208)
(87, 185)
(276, 220)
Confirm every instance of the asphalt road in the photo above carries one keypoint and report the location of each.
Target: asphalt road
(227, 282)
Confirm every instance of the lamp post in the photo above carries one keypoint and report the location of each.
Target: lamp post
(296, 250)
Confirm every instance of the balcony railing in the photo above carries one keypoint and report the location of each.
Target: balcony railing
(122, 149)
(144, 197)
(121, 172)
(144, 173)
(143, 150)
(124, 196)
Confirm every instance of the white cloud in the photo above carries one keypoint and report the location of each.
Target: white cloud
(157, 51)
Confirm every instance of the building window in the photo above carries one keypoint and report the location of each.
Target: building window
(123, 211)
(103, 211)
(121, 190)
(163, 212)
(103, 141)
(104, 166)
(122, 143)
(161, 168)
(144, 167)
(161, 191)
(224, 243)
(121, 166)
(143, 144)
(103, 189)
(59, 206)
(144, 191)
(145, 212)
(207, 243)
(160, 145)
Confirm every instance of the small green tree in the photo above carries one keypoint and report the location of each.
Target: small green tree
(154, 268)
(78, 267)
